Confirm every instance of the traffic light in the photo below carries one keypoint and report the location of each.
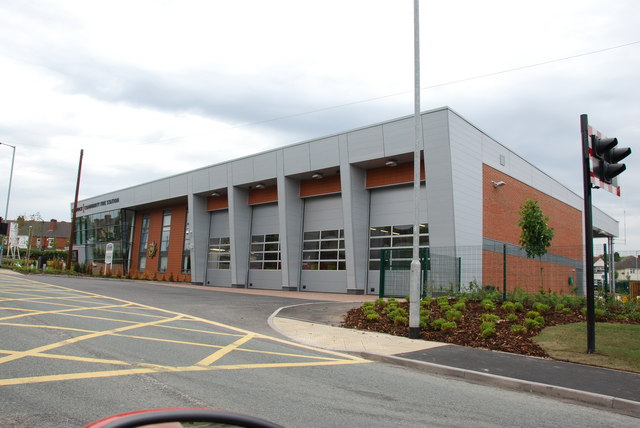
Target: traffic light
(606, 157)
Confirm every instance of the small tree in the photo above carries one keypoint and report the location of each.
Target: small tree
(536, 234)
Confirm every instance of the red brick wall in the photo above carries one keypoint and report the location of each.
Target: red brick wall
(176, 243)
(501, 208)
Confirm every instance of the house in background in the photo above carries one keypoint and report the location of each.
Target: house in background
(598, 271)
(627, 269)
(43, 235)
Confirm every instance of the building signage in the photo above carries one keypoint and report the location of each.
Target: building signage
(85, 208)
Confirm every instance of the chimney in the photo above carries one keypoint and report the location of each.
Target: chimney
(53, 224)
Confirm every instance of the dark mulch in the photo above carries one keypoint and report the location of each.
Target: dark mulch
(468, 332)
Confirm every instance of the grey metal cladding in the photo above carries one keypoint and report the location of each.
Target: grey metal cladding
(264, 166)
(199, 181)
(242, 171)
(324, 153)
(179, 185)
(296, 159)
(399, 137)
(218, 176)
(365, 144)
(466, 175)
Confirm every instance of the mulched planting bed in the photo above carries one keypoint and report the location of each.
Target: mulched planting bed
(468, 331)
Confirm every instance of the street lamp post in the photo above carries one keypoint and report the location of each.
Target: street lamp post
(414, 275)
(6, 210)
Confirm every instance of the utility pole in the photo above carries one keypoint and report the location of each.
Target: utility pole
(73, 215)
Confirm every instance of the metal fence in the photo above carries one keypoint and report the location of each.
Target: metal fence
(493, 265)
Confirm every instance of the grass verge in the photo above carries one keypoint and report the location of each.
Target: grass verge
(617, 345)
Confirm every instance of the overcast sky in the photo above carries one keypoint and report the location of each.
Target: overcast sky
(158, 87)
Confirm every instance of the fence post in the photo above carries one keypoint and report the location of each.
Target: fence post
(383, 269)
(459, 273)
(504, 272)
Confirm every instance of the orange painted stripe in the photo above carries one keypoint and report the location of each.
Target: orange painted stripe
(387, 176)
(217, 203)
(261, 196)
(323, 186)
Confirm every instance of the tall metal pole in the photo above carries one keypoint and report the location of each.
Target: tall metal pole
(73, 215)
(6, 210)
(588, 235)
(414, 279)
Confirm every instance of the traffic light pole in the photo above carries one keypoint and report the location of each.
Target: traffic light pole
(588, 234)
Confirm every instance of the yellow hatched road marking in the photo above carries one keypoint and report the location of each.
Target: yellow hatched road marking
(224, 351)
(160, 318)
(160, 369)
(32, 313)
(65, 342)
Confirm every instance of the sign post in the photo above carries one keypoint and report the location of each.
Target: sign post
(108, 256)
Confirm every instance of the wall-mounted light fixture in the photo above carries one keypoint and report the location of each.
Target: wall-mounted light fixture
(317, 176)
(498, 184)
(260, 186)
(391, 163)
(215, 194)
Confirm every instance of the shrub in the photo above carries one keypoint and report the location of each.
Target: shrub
(426, 302)
(445, 308)
(367, 305)
(488, 305)
(460, 306)
(508, 307)
(518, 329)
(448, 326)
(532, 324)
(532, 314)
(424, 321)
(442, 300)
(372, 316)
(519, 307)
(541, 307)
(453, 315)
(489, 318)
(401, 320)
(512, 318)
(437, 323)
(380, 302)
(573, 302)
(559, 307)
(488, 332)
(397, 313)
(487, 324)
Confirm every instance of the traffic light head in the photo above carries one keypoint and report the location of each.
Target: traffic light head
(607, 156)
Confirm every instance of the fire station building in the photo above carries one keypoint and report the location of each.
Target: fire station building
(318, 215)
